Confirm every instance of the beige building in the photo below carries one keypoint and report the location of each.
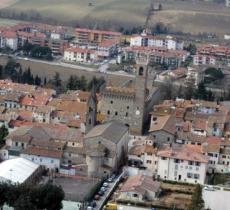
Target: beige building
(139, 188)
(130, 103)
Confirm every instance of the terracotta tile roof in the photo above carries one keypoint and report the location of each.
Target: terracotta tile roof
(141, 184)
(183, 152)
(25, 115)
(43, 152)
(166, 123)
(137, 150)
(9, 34)
(108, 43)
(200, 124)
(211, 147)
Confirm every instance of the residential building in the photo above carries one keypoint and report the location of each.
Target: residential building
(182, 163)
(80, 55)
(227, 3)
(203, 60)
(8, 39)
(157, 55)
(162, 129)
(144, 156)
(139, 189)
(43, 144)
(220, 53)
(167, 42)
(84, 36)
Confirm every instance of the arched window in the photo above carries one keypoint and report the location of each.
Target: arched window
(141, 71)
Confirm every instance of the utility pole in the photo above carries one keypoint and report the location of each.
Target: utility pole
(150, 13)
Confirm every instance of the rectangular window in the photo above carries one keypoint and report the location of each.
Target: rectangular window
(190, 163)
(197, 163)
(196, 176)
(189, 175)
(148, 161)
(176, 161)
(163, 158)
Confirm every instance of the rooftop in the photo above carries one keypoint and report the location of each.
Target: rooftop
(17, 170)
(112, 131)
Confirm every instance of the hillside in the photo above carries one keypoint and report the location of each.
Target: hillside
(187, 16)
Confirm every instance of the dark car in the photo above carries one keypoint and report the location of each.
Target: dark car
(93, 204)
(101, 193)
(97, 197)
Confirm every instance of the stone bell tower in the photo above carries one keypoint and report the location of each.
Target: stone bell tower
(140, 93)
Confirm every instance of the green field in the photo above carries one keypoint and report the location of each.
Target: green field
(187, 16)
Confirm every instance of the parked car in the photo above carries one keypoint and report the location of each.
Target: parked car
(89, 208)
(97, 197)
(105, 184)
(101, 193)
(111, 179)
(104, 189)
(209, 188)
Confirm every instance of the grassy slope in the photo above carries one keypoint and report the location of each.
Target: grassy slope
(187, 16)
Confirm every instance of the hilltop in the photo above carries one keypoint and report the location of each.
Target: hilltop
(178, 15)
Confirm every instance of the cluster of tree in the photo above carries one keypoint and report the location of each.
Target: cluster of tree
(29, 197)
(13, 70)
(203, 94)
(212, 74)
(29, 15)
(189, 92)
(191, 48)
(36, 51)
(76, 83)
(160, 28)
(3, 133)
(197, 200)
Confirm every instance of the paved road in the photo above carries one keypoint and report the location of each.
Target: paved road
(217, 200)
(111, 187)
(102, 68)
(123, 207)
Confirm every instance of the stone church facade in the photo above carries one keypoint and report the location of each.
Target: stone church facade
(131, 103)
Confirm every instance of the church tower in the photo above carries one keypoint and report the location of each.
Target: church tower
(140, 93)
(91, 115)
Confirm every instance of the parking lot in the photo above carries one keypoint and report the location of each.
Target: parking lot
(217, 200)
(75, 190)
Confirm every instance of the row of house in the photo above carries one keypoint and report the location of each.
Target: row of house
(145, 40)
(157, 55)
(23, 104)
(187, 140)
(104, 50)
(66, 150)
(55, 38)
(208, 54)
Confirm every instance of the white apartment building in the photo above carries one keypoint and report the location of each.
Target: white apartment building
(182, 163)
(168, 42)
(80, 55)
(203, 60)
